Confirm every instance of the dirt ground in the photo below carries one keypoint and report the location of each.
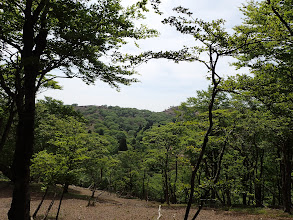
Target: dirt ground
(111, 207)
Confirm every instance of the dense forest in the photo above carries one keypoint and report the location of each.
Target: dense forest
(230, 144)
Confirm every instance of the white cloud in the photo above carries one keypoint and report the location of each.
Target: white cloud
(163, 83)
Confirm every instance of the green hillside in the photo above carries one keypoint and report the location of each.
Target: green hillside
(123, 127)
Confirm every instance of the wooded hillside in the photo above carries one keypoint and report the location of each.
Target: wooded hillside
(229, 145)
(125, 125)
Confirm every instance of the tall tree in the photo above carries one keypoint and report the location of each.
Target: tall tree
(163, 142)
(215, 42)
(268, 55)
(72, 36)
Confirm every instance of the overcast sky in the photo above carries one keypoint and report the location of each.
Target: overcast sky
(162, 83)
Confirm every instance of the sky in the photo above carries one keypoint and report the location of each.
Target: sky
(163, 83)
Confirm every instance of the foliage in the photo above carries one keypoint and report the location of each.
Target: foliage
(234, 140)
(72, 36)
(118, 125)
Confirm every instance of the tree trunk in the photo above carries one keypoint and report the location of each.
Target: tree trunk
(40, 204)
(258, 195)
(244, 195)
(258, 179)
(228, 195)
(203, 198)
(274, 201)
(279, 179)
(60, 202)
(143, 187)
(286, 177)
(205, 140)
(50, 206)
(20, 206)
(250, 191)
(167, 196)
(279, 193)
(66, 187)
(92, 196)
(166, 178)
(174, 197)
(25, 101)
(101, 176)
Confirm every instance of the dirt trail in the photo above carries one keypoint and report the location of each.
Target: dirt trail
(111, 207)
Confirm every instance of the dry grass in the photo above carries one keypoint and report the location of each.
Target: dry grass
(110, 207)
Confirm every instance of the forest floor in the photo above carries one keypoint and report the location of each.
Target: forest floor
(111, 207)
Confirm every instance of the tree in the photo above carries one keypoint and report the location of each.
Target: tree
(268, 55)
(62, 159)
(195, 111)
(216, 43)
(163, 144)
(45, 168)
(67, 35)
(96, 163)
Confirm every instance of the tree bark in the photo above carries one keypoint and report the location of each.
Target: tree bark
(174, 197)
(205, 142)
(20, 206)
(244, 196)
(92, 196)
(25, 101)
(167, 196)
(40, 204)
(143, 186)
(50, 206)
(286, 176)
(60, 202)
(258, 178)
(228, 194)
(66, 187)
